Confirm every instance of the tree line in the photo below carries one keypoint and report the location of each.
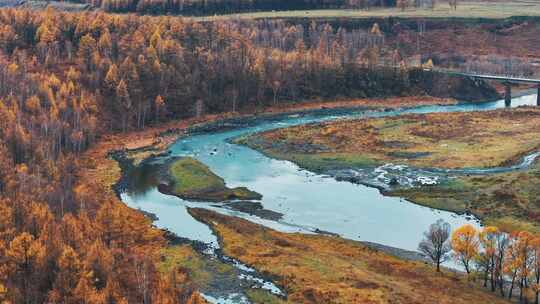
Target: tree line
(503, 261)
(141, 70)
(210, 7)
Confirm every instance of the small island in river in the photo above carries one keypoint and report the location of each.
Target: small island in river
(192, 180)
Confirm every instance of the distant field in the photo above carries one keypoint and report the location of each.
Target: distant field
(494, 9)
(465, 10)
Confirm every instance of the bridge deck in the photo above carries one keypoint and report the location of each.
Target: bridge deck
(504, 79)
(495, 77)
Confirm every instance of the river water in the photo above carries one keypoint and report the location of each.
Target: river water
(308, 201)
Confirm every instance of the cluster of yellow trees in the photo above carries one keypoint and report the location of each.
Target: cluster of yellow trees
(504, 260)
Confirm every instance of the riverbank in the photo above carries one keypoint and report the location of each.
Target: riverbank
(215, 274)
(152, 141)
(442, 140)
(509, 201)
(325, 269)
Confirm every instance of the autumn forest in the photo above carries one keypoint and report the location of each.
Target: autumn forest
(67, 79)
(78, 87)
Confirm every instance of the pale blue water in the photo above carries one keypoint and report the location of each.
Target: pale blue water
(308, 201)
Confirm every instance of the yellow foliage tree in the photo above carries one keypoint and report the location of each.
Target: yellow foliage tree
(465, 244)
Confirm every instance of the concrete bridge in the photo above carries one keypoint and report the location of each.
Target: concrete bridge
(506, 80)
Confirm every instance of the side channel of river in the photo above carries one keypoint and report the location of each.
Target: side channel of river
(309, 202)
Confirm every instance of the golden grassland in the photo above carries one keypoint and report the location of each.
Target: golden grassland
(441, 140)
(444, 140)
(465, 9)
(324, 269)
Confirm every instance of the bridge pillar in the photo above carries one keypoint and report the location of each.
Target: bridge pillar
(538, 96)
(508, 95)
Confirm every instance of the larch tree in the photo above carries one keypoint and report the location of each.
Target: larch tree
(124, 100)
(25, 255)
(465, 245)
(512, 262)
(503, 242)
(535, 246)
(69, 266)
(525, 258)
(159, 104)
(87, 47)
(493, 243)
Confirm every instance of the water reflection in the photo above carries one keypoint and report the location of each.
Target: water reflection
(142, 179)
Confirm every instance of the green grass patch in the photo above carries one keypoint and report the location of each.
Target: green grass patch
(331, 161)
(191, 175)
(192, 179)
(451, 196)
(260, 296)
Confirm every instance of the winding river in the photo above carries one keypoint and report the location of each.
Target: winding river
(309, 202)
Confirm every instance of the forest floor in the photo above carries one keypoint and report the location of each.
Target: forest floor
(442, 140)
(326, 269)
(465, 9)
